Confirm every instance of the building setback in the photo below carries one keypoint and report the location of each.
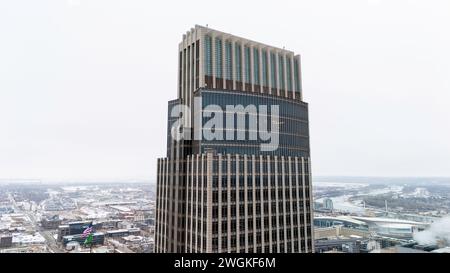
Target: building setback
(216, 195)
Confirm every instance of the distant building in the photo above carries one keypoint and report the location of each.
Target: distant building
(317, 205)
(390, 227)
(387, 227)
(125, 225)
(324, 221)
(98, 238)
(386, 241)
(343, 239)
(23, 239)
(63, 230)
(131, 239)
(74, 228)
(110, 223)
(6, 209)
(78, 227)
(134, 231)
(123, 232)
(5, 241)
(328, 204)
(117, 233)
(52, 222)
(336, 231)
(351, 245)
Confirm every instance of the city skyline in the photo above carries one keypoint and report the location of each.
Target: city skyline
(78, 80)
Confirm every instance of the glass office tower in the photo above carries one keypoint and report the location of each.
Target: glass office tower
(228, 194)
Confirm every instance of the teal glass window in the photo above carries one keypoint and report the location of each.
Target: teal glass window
(289, 73)
(238, 60)
(296, 76)
(208, 56)
(256, 65)
(264, 68)
(228, 61)
(247, 64)
(273, 69)
(219, 72)
(281, 71)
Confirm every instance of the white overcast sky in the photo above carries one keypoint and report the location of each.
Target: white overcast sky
(84, 84)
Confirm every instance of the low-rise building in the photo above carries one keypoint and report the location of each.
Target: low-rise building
(5, 241)
(98, 238)
(123, 232)
(52, 222)
(117, 233)
(21, 239)
(63, 230)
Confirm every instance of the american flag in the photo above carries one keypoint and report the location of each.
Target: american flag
(87, 231)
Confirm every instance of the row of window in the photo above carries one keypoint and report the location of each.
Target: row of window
(259, 195)
(285, 140)
(286, 107)
(278, 234)
(260, 59)
(291, 246)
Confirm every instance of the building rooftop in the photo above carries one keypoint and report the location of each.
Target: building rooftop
(121, 208)
(117, 231)
(341, 218)
(20, 238)
(79, 222)
(133, 239)
(208, 30)
(387, 220)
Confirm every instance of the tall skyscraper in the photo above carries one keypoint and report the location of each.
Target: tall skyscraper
(237, 176)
